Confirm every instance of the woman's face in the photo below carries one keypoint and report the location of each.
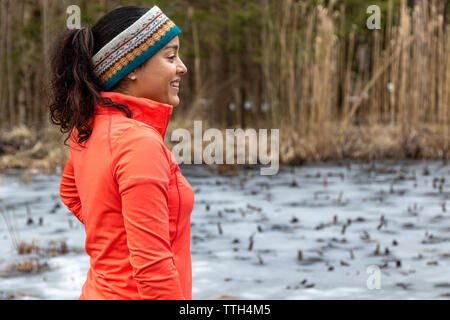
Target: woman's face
(159, 78)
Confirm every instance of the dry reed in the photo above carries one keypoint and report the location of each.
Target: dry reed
(398, 107)
(333, 94)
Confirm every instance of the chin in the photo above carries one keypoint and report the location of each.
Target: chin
(174, 102)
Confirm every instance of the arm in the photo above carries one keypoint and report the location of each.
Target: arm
(142, 172)
(68, 190)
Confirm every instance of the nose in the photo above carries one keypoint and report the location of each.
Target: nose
(181, 68)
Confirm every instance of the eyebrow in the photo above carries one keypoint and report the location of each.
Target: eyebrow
(173, 46)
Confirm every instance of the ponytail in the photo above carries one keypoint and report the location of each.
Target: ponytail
(74, 87)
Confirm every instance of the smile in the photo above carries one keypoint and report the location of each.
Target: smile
(175, 85)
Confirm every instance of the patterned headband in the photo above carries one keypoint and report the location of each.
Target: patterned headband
(133, 46)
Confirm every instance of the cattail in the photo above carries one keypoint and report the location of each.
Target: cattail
(250, 246)
(260, 260)
(343, 263)
(299, 255)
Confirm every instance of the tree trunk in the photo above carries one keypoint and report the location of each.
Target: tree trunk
(3, 15)
(197, 62)
(21, 94)
(9, 64)
(36, 96)
(44, 25)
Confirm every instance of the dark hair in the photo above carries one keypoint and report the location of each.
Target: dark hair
(74, 88)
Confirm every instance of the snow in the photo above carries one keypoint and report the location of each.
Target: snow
(247, 231)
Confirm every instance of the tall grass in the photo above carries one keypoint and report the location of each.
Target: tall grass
(330, 94)
(333, 92)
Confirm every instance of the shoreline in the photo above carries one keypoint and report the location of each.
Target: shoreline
(21, 148)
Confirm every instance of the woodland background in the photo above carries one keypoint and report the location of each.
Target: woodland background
(334, 88)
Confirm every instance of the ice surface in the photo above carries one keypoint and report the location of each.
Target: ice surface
(247, 231)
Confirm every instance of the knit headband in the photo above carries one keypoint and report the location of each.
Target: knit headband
(133, 46)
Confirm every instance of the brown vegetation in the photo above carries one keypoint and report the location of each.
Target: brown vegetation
(334, 92)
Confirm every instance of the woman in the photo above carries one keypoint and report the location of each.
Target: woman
(114, 87)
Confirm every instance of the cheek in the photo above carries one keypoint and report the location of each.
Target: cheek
(151, 80)
(167, 77)
(156, 77)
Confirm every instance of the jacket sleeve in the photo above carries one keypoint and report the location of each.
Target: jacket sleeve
(68, 190)
(142, 172)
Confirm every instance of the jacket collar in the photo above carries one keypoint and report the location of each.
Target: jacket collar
(153, 113)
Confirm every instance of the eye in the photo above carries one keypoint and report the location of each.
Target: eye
(172, 57)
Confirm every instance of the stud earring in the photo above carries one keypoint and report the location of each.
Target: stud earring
(133, 77)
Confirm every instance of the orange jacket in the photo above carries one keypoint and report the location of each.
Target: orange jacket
(125, 186)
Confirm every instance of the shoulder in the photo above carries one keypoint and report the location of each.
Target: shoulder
(127, 129)
(136, 144)
(139, 139)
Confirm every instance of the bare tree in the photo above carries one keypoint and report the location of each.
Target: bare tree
(9, 63)
(3, 20)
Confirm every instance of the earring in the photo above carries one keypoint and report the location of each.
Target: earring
(133, 77)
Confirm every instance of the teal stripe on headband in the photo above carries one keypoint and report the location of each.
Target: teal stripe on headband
(144, 56)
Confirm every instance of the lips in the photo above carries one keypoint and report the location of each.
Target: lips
(175, 84)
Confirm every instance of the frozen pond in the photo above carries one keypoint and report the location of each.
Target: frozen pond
(309, 232)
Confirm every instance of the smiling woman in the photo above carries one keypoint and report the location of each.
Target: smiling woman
(159, 78)
(114, 89)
